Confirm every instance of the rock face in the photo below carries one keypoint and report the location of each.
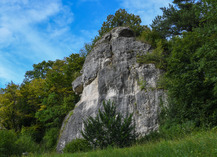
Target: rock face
(110, 72)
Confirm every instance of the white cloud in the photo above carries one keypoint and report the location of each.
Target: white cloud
(32, 31)
(7, 71)
(147, 9)
(6, 37)
(89, 33)
(39, 14)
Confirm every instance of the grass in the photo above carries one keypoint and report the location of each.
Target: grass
(200, 144)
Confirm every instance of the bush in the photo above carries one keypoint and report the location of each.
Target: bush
(170, 131)
(109, 128)
(50, 138)
(34, 131)
(25, 143)
(8, 146)
(12, 144)
(150, 36)
(77, 145)
(157, 56)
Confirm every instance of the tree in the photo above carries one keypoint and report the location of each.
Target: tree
(122, 18)
(39, 70)
(9, 107)
(191, 72)
(60, 97)
(109, 128)
(183, 16)
(86, 49)
(44, 98)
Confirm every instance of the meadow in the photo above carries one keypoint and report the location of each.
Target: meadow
(197, 144)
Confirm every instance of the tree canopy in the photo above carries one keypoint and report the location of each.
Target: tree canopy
(44, 98)
(189, 58)
(122, 18)
(182, 16)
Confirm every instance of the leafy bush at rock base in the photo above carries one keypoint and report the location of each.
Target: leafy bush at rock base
(109, 128)
(50, 138)
(77, 145)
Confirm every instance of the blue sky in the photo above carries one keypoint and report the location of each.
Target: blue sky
(35, 30)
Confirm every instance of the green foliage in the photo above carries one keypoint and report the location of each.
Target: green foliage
(7, 143)
(86, 48)
(44, 98)
(199, 144)
(150, 36)
(189, 60)
(50, 138)
(34, 131)
(160, 49)
(122, 18)
(9, 107)
(109, 128)
(25, 143)
(162, 82)
(40, 70)
(13, 144)
(170, 131)
(191, 73)
(77, 145)
(192, 79)
(142, 83)
(183, 16)
(157, 56)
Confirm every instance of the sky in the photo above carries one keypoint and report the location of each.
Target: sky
(35, 30)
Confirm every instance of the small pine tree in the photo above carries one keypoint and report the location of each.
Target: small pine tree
(109, 128)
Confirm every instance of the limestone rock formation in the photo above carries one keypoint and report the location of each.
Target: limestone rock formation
(110, 72)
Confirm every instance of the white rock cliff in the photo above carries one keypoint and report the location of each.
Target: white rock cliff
(110, 72)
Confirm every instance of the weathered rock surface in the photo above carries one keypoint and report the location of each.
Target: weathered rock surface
(110, 72)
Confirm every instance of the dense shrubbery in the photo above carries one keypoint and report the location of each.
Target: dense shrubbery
(7, 143)
(25, 143)
(77, 145)
(11, 144)
(189, 60)
(43, 100)
(50, 138)
(109, 128)
(170, 131)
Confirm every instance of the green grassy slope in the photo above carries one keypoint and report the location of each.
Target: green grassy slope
(200, 144)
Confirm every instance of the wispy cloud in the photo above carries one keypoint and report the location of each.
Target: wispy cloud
(32, 31)
(145, 8)
(36, 30)
(7, 71)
